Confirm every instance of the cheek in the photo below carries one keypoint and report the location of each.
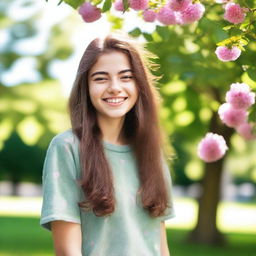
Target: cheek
(94, 93)
(135, 92)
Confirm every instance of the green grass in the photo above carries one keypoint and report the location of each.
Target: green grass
(22, 236)
(237, 245)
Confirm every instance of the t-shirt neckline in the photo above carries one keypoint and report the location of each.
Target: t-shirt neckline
(117, 148)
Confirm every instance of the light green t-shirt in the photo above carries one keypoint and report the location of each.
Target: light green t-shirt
(129, 231)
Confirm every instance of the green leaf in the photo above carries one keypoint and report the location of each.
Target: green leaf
(148, 37)
(74, 3)
(96, 2)
(126, 5)
(163, 32)
(107, 5)
(135, 33)
(228, 27)
(244, 25)
(252, 73)
(233, 40)
(117, 23)
(253, 35)
(252, 115)
(241, 48)
(243, 42)
(235, 32)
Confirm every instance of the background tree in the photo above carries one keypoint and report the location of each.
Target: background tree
(193, 85)
(32, 111)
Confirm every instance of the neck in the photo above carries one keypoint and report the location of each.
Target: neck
(112, 130)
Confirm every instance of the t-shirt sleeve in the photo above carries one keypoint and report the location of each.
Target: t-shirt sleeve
(61, 192)
(169, 212)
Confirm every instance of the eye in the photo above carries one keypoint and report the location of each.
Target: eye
(100, 79)
(127, 77)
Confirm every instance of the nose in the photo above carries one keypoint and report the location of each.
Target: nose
(114, 86)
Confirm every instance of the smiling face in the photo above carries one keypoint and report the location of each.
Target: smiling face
(112, 87)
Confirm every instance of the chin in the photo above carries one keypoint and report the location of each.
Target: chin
(115, 116)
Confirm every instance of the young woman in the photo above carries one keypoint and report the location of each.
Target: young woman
(106, 183)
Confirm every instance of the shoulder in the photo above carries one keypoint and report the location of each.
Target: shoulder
(64, 147)
(65, 138)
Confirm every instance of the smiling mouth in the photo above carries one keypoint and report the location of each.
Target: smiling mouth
(115, 100)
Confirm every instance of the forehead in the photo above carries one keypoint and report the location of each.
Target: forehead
(111, 61)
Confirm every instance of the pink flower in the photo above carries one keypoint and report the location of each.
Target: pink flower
(234, 13)
(118, 5)
(149, 15)
(246, 131)
(178, 18)
(192, 13)
(89, 12)
(166, 16)
(179, 5)
(227, 54)
(138, 4)
(240, 96)
(212, 147)
(232, 117)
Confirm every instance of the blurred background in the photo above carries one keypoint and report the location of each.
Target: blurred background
(40, 46)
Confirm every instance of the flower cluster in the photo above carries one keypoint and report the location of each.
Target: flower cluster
(179, 12)
(234, 113)
(241, 18)
(173, 12)
(234, 14)
(176, 12)
(212, 147)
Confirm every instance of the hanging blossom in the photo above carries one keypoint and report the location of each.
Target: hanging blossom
(246, 131)
(89, 12)
(138, 4)
(149, 15)
(192, 13)
(119, 6)
(174, 12)
(166, 16)
(230, 49)
(225, 53)
(234, 113)
(180, 12)
(234, 13)
(212, 147)
(232, 117)
(179, 5)
(240, 96)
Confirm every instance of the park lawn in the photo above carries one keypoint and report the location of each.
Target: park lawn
(22, 236)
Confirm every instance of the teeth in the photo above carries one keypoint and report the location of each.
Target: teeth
(115, 100)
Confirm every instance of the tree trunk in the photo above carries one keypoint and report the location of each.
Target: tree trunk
(206, 230)
(15, 185)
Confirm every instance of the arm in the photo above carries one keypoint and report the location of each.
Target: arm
(164, 244)
(67, 238)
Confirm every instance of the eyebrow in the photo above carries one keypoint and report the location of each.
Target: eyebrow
(105, 73)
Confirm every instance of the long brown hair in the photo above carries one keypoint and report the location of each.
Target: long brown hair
(141, 128)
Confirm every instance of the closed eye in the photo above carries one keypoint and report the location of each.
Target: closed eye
(100, 79)
(126, 77)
